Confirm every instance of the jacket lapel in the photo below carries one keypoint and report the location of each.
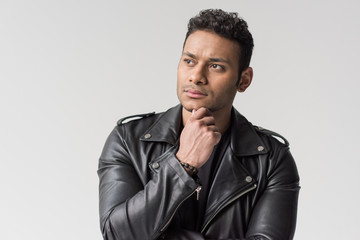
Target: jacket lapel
(232, 180)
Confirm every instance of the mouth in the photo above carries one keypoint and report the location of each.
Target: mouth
(194, 93)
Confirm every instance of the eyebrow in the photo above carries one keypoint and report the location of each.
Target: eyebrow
(218, 60)
(189, 54)
(211, 59)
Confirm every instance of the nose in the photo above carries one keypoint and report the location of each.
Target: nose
(198, 75)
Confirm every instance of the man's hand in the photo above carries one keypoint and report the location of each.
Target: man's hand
(198, 138)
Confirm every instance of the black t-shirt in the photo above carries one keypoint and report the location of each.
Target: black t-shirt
(192, 210)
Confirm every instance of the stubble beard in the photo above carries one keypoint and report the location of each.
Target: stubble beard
(212, 110)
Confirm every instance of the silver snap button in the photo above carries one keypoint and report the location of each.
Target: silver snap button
(260, 148)
(155, 165)
(147, 136)
(248, 179)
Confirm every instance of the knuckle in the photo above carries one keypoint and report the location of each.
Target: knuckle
(210, 134)
(198, 123)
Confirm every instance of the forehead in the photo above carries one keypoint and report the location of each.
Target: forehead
(208, 44)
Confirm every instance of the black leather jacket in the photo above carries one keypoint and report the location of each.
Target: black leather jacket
(254, 193)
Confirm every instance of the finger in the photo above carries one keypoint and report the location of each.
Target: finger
(215, 135)
(201, 112)
(207, 120)
(214, 129)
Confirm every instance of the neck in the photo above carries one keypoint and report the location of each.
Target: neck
(222, 118)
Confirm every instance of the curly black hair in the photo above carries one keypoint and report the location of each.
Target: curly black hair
(228, 25)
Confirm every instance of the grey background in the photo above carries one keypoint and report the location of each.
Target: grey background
(70, 69)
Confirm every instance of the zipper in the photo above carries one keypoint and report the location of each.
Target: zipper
(197, 190)
(226, 204)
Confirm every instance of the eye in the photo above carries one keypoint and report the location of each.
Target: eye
(217, 67)
(188, 61)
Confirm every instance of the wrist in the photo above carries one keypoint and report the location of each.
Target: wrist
(191, 170)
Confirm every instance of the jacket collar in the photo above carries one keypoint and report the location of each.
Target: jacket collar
(166, 128)
(244, 139)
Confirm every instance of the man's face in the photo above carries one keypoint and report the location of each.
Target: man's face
(208, 72)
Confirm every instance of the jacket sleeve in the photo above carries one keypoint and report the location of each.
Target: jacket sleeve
(131, 209)
(274, 215)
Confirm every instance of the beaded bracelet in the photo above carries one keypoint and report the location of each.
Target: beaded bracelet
(188, 166)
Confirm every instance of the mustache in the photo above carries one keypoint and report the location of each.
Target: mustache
(188, 87)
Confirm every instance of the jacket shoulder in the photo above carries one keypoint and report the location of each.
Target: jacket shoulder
(134, 117)
(272, 134)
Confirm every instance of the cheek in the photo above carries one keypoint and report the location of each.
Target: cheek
(227, 92)
(181, 76)
(180, 81)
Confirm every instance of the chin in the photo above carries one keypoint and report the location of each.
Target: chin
(190, 106)
(187, 107)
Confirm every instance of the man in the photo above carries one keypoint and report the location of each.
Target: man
(200, 170)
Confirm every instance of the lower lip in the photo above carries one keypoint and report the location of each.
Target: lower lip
(194, 95)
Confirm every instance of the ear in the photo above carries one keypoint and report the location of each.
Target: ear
(245, 79)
